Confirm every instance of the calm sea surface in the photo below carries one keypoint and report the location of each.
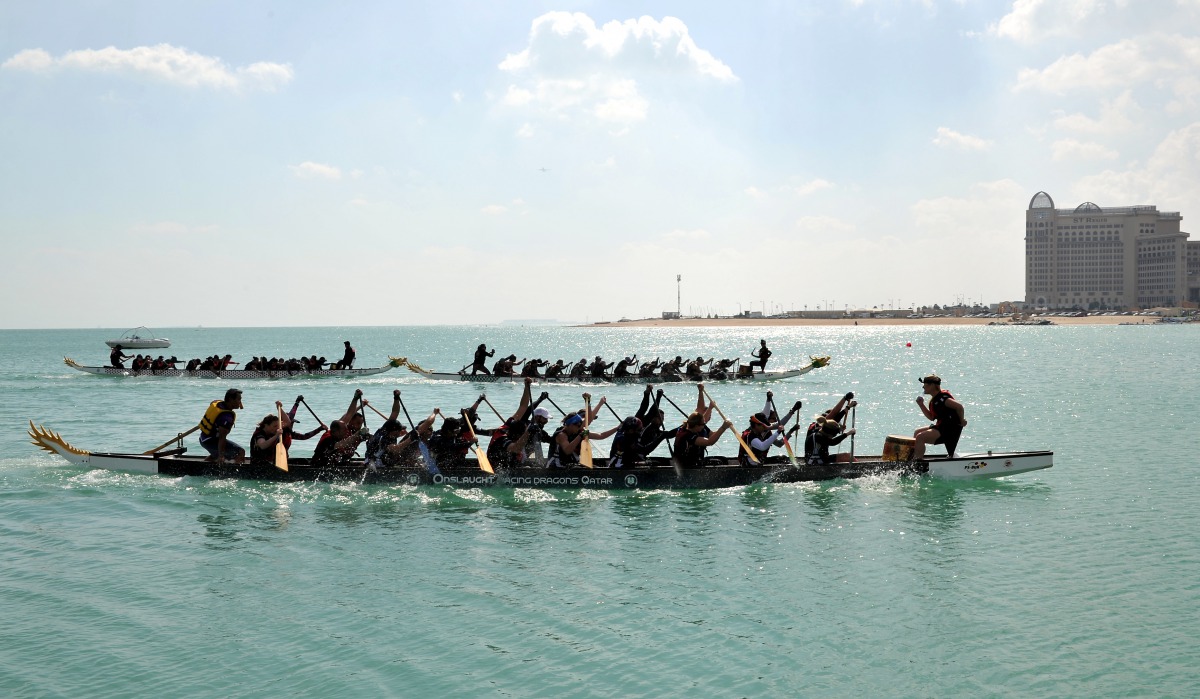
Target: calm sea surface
(1081, 580)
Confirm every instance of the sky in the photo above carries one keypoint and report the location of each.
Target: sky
(464, 162)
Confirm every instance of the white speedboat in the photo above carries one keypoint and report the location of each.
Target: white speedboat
(139, 338)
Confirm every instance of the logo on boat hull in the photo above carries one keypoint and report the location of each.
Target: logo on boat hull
(975, 465)
(631, 481)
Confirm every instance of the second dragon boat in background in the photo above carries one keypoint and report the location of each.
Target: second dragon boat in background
(236, 374)
(743, 375)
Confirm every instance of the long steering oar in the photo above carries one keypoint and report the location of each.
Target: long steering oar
(430, 464)
(853, 419)
(179, 437)
(745, 447)
(485, 464)
(281, 450)
(786, 444)
(585, 447)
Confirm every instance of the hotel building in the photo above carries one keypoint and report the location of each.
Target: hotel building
(1094, 257)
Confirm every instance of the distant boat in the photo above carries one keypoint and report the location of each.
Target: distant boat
(139, 338)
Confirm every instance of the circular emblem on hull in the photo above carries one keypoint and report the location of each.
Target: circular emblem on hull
(631, 480)
(414, 479)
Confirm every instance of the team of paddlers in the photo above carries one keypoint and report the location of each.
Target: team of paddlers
(671, 370)
(527, 438)
(217, 363)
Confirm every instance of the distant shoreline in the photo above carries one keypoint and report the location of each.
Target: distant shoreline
(861, 322)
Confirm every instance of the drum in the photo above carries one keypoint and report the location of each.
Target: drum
(745, 372)
(898, 448)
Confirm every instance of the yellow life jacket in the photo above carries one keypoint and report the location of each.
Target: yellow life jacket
(209, 421)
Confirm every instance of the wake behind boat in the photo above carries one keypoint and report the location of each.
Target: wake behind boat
(657, 474)
(236, 374)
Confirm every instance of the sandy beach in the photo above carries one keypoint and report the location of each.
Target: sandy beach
(767, 322)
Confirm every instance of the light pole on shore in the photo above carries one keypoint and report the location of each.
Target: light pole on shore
(678, 295)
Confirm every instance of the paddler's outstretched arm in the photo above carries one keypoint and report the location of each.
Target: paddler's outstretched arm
(396, 405)
(712, 438)
(349, 414)
(526, 399)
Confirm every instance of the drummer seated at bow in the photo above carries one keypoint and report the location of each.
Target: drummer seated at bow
(828, 431)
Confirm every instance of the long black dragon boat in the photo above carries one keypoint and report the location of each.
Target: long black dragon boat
(744, 373)
(236, 374)
(657, 474)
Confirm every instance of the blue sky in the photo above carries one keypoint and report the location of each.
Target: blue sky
(378, 163)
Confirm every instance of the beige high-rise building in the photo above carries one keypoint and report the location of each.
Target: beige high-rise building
(1094, 257)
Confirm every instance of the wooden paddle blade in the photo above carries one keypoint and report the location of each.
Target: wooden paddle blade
(280, 450)
(745, 447)
(485, 464)
(585, 453)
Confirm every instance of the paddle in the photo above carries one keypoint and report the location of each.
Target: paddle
(485, 464)
(585, 448)
(430, 464)
(786, 444)
(178, 437)
(281, 461)
(675, 406)
(614, 413)
(853, 430)
(560, 410)
(746, 447)
(489, 404)
(310, 412)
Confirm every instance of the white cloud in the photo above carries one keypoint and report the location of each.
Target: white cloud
(755, 193)
(359, 201)
(1165, 61)
(990, 208)
(309, 170)
(949, 138)
(494, 209)
(680, 234)
(1116, 116)
(570, 67)
(1069, 149)
(1030, 20)
(824, 224)
(171, 64)
(812, 186)
(457, 96)
(1170, 178)
(526, 131)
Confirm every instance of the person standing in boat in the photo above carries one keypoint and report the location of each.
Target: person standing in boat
(347, 361)
(762, 355)
(216, 425)
(481, 356)
(947, 414)
(117, 357)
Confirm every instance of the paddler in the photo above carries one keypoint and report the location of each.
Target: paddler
(623, 367)
(766, 430)
(555, 370)
(947, 414)
(693, 438)
(216, 425)
(565, 443)
(827, 431)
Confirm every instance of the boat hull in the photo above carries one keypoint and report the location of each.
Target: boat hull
(230, 374)
(659, 473)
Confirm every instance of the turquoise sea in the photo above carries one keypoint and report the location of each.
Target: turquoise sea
(1077, 581)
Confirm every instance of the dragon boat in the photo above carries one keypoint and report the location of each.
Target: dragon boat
(237, 374)
(657, 474)
(744, 374)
